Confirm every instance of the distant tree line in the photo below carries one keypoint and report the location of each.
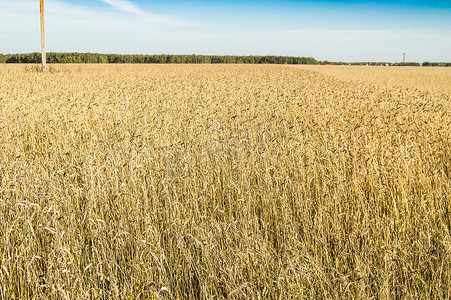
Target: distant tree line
(370, 63)
(406, 64)
(54, 57)
(437, 64)
(75, 57)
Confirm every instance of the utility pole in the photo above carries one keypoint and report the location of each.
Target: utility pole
(404, 58)
(43, 37)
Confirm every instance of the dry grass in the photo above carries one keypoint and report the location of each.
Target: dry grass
(178, 181)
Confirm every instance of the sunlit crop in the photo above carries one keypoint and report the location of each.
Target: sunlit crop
(224, 181)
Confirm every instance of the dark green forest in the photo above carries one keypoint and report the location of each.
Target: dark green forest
(75, 57)
(437, 64)
(54, 57)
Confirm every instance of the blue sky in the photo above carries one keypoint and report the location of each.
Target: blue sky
(328, 30)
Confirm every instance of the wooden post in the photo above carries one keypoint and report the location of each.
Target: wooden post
(43, 37)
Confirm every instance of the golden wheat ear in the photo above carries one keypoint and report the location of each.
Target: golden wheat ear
(224, 182)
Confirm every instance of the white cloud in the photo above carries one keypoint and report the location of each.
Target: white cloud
(75, 27)
(125, 6)
(131, 8)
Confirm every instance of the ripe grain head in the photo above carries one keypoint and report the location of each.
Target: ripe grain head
(226, 181)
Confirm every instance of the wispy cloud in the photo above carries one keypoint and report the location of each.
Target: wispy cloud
(132, 8)
(126, 6)
(81, 27)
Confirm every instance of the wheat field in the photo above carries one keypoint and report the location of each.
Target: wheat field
(225, 182)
